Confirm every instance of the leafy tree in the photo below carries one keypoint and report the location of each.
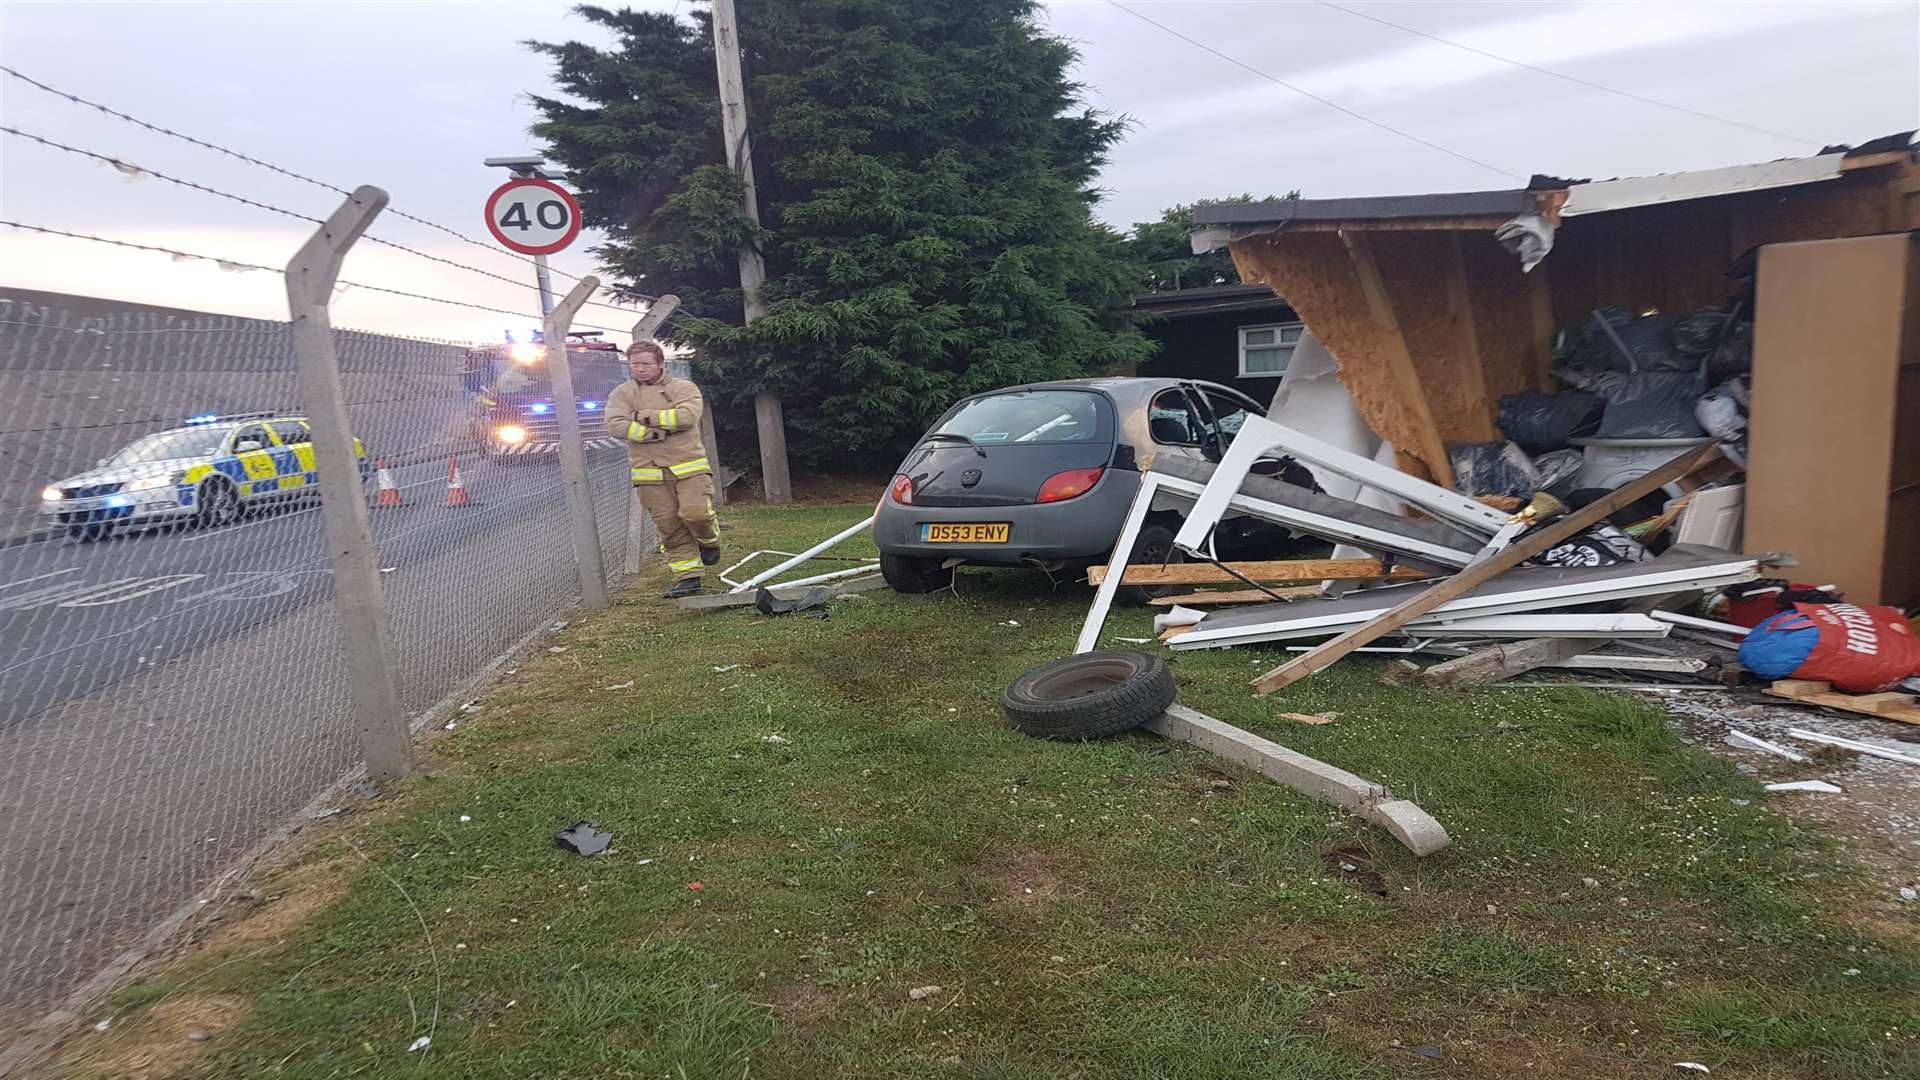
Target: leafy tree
(1166, 249)
(924, 171)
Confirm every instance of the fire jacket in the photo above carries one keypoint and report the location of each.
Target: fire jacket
(661, 426)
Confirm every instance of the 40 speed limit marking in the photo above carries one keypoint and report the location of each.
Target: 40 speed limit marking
(533, 217)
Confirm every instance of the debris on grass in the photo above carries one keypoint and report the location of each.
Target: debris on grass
(1691, 1066)
(1736, 737)
(1354, 866)
(1309, 718)
(1427, 1050)
(420, 1043)
(1400, 673)
(104, 1024)
(722, 669)
(921, 993)
(812, 603)
(695, 886)
(583, 838)
(1806, 785)
(556, 648)
(628, 685)
(777, 740)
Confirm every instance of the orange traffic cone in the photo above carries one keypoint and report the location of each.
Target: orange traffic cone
(456, 491)
(389, 491)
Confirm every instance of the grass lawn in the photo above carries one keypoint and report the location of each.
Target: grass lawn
(1613, 902)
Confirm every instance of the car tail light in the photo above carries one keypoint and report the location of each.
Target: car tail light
(902, 490)
(1069, 484)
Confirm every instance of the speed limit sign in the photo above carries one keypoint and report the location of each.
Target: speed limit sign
(533, 217)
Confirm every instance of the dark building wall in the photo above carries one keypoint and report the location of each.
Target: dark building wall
(1208, 347)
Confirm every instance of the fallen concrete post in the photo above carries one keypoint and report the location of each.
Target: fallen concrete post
(1496, 662)
(1402, 819)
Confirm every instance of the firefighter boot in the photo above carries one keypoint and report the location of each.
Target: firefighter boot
(683, 588)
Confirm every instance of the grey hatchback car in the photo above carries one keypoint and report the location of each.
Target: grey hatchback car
(1042, 475)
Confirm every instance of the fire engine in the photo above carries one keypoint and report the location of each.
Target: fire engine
(512, 393)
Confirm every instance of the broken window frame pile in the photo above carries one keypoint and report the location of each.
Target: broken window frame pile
(1502, 607)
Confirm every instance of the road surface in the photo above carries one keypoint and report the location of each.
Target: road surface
(167, 698)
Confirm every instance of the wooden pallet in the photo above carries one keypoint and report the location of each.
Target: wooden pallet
(1240, 596)
(1901, 707)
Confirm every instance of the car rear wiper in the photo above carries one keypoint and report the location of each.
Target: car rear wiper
(968, 439)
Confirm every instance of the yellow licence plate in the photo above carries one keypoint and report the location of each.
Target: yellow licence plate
(969, 533)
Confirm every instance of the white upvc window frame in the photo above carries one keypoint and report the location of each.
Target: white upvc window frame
(1278, 327)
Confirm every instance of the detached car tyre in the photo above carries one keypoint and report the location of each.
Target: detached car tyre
(1089, 696)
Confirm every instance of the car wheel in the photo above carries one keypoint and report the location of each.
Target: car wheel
(1089, 696)
(219, 504)
(1153, 547)
(87, 532)
(910, 574)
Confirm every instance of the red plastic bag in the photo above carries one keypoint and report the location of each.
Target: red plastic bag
(1861, 650)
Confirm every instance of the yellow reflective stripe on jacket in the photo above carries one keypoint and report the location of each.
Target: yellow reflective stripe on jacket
(689, 468)
(668, 419)
(681, 566)
(636, 431)
(643, 475)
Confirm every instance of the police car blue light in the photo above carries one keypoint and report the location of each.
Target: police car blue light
(541, 407)
(204, 418)
(589, 405)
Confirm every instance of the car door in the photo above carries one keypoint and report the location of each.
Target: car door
(295, 460)
(1175, 425)
(253, 447)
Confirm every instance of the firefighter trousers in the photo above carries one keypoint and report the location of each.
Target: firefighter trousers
(682, 510)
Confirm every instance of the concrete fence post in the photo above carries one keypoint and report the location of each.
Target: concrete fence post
(573, 454)
(358, 599)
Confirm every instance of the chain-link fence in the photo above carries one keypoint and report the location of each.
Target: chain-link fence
(173, 681)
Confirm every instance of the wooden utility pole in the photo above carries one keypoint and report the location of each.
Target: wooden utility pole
(753, 271)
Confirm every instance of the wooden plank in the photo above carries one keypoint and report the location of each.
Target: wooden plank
(1466, 340)
(1540, 309)
(1283, 570)
(1900, 707)
(1393, 345)
(1236, 596)
(1478, 574)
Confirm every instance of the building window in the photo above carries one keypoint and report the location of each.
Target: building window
(1265, 350)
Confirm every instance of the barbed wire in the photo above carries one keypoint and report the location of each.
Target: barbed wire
(132, 169)
(235, 264)
(271, 167)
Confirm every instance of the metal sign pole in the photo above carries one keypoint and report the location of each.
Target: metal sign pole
(573, 455)
(546, 285)
(357, 594)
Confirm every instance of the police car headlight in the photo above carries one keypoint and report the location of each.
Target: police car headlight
(148, 483)
(512, 434)
(51, 494)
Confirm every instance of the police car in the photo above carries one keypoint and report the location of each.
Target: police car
(206, 472)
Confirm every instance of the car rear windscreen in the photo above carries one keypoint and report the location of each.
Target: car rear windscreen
(1031, 416)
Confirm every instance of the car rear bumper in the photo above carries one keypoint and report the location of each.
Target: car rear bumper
(1073, 530)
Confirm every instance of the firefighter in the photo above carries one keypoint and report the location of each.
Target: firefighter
(659, 417)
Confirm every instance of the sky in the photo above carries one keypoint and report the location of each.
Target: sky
(411, 97)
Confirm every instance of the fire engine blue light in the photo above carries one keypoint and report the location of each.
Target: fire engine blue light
(589, 405)
(119, 500)
(541, 406)
(203, 418)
